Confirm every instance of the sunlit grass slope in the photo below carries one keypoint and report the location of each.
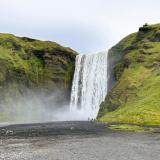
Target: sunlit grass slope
(34, 62)
(135, 98)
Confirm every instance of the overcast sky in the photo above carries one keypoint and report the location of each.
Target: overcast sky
(88, 26)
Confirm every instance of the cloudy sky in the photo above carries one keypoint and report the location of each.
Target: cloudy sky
(88, 26)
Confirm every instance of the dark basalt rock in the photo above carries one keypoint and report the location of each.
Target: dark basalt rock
(128, 49)
(156, 38)
(28, 39)
(140, 58)
(145, 28)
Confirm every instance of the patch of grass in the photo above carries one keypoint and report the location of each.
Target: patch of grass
(133, 128)
(138, 95)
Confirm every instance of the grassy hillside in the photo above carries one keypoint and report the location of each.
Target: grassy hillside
(36, 65)
(135, 97)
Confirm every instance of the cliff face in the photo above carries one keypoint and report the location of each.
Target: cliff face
(134, 98)
(29, 64)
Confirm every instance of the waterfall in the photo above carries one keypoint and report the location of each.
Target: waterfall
(89, 86)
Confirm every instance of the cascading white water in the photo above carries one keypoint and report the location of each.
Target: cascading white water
(89, 86)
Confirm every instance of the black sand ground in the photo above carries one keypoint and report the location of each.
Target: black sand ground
(75, 141)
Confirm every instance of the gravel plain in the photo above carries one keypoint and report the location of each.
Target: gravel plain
(80, 141)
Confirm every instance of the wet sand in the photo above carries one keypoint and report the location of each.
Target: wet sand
(75, 141)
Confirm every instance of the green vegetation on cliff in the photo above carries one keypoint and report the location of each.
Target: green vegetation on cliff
(35, 62)
(36, 65)
(135, 97)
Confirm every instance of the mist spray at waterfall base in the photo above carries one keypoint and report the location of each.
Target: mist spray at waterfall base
(37, 107)
(89, 86)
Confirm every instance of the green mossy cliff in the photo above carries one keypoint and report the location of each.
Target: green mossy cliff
(36, 65)
(135, 97)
